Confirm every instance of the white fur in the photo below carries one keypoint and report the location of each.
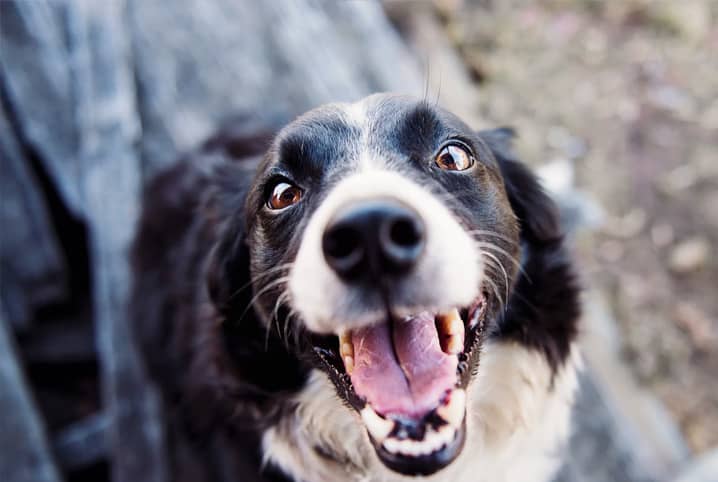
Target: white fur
(517, 422)
(446, 276)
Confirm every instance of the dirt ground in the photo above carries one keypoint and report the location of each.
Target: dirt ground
(625, 93)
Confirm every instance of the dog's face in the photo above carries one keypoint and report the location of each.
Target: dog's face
(381, 236)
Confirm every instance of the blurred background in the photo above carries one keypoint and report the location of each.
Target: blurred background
(616, 107)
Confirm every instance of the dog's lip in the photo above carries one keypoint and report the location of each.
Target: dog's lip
(418, 459)
(424, 464)
(420, 447)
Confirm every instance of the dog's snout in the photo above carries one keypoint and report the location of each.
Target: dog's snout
(373, 238)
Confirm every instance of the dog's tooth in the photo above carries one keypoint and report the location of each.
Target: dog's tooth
(454, 344)
(346, 350)
(378, 426)
(446, 435)
(431, 440)
(453, 411)
(451, 323)
(349, 364)
(345, 343)
(391, 445)
(451, 331)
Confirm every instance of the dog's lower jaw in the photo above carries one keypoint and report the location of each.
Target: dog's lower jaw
(518, 418)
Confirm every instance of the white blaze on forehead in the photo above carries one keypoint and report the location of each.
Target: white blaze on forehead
(447, 275)
(356, 112)
(357, 115)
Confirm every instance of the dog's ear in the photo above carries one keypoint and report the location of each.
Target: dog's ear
(535, 210)
(227, 271)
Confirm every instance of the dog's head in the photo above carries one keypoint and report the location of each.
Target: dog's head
(383, 240)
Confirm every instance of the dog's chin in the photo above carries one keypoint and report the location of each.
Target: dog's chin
(407, 379)
(424, 463)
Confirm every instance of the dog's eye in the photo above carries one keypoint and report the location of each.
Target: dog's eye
(454, 158)
(284, 195)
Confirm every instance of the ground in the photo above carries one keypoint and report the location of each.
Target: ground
(624, 94)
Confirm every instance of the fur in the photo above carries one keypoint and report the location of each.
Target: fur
(231, 374)
(519, 419)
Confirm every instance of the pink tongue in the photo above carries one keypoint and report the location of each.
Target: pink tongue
(410, 383)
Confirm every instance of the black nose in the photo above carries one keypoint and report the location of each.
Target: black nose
(373, 239)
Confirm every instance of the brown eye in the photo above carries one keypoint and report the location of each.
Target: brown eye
(454, 158)
(284, 195)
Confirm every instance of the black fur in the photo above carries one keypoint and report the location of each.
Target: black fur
(225, 373)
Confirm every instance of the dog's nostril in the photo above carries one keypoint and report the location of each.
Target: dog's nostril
(373, 239)
(405, 232)
(341, 242)
(343, 249)
(401, 241)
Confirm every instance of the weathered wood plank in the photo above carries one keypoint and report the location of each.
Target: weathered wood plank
(264, 62)
(25, 453)
(39, 275)
(82, 443)
(110, 181)
(38, 75)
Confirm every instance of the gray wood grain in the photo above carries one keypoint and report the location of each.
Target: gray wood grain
(38, 75)
(25, 453)
(38, 276)
(105, 94)
(110, 182)
(264, 62)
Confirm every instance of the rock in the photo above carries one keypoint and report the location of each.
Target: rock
(688, 18)
(689, 255)
(678, 179)
(704, 469)
(696, 324)
(662, 235)
(627, 226)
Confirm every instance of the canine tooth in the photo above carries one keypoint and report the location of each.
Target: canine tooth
(453, 412)
(349, 364)
(345, 343)
(346, 350)
(378, 426)
(454, 344)
(451, 323)
(451, 331)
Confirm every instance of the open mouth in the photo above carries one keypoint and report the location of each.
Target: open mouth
(407, 378)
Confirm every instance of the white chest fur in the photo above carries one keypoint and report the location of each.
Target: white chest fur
(517, 422)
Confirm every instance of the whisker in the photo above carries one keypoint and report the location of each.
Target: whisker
(264, 289)
(496, 293)
(261, 276)
(503, 270)
(514, 261)
(491, 233)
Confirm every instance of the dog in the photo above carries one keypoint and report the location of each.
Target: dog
(376, 293)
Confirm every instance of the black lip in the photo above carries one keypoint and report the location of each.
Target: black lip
(424, 464)
(326, 349)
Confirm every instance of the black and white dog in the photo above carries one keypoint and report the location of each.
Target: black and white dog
(382, 294)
